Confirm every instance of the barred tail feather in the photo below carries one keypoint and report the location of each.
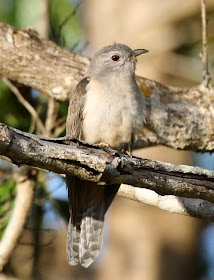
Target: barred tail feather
(91, 234)
(88, 204)
(84, 244)
(73, 239)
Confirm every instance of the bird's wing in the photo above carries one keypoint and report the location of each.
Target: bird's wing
(73, 129)
(75, 110)
(88, 202)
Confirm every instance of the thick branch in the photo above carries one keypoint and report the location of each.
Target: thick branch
(105, 167)
(179, 118)
(30, 60)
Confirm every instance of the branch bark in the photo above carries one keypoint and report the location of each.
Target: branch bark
(105, 167)
(39, 63)
(179, 118)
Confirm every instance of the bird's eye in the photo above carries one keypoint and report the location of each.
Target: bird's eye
(115, 57)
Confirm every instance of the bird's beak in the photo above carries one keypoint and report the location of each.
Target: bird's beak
(139, 52)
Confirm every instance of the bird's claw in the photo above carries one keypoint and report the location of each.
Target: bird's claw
(127, 152)
(103, 144)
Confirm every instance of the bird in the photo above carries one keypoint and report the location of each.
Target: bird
(106, 108)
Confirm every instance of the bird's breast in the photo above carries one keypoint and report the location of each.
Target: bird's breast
(111, 114)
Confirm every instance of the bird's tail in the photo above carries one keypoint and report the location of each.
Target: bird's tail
(88, 205)
(84, 240)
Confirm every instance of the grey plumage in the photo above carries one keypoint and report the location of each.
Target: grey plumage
(106, 106)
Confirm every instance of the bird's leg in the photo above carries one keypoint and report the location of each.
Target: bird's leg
(129, 153)
(127, 150)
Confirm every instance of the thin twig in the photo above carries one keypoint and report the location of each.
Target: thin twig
(56, 35)
(69, 16)
(59, 126)
(26, 104)
(58, 130)
(59, 121)
(32, 125)
(51, 115)
(44, 19)
(206, 74)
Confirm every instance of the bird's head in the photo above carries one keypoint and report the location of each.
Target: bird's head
(114, 59)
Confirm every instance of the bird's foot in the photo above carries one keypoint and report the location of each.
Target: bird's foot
(105, 147)
(127, 152)
(103, 144)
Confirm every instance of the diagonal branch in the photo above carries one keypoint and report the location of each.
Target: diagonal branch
(105, 166)
(68, 17)
(26, 104)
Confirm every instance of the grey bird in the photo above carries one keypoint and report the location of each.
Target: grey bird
(106, 107)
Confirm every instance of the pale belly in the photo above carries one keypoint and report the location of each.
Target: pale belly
(111, 119)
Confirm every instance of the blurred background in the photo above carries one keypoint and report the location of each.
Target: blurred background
(140, 241)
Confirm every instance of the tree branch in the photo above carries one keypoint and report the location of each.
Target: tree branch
(197, 208)
(26, 104)
(23, 202)
(206, 74)
(39, 63)
(52, 112)
(179, 118)
(105, 167)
